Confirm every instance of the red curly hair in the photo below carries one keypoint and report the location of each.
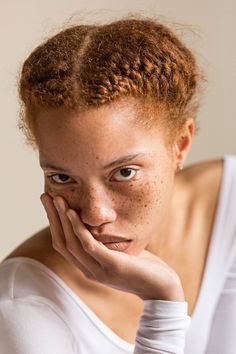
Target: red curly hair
(92, 65)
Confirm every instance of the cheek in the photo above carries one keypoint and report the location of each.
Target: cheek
(146, 202)
(67, 193)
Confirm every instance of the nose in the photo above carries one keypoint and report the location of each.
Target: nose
(96, 209)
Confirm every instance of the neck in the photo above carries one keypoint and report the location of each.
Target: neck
(172, 230)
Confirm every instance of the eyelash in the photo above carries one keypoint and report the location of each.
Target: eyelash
(61, 174)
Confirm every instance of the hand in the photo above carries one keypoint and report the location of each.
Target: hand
(145, 275)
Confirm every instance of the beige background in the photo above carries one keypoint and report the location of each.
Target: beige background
(25, 23)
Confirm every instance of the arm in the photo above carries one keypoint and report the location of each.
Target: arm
(162, 327)
(33, 327)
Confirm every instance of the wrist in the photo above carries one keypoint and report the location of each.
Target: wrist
(173, 292)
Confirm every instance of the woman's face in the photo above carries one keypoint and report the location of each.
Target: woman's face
(116, 174)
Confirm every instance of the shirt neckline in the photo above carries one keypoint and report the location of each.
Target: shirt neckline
(214, 232)
(99, 324)
(213, 279)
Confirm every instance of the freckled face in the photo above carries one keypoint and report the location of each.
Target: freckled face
(127, 198)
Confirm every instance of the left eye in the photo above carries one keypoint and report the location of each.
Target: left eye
(59, 178)
(125, 174)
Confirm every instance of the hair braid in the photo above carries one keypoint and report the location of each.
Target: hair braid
(94, 65)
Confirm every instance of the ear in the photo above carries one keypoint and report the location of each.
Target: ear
(183, 141)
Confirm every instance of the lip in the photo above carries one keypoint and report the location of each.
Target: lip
(118, 246)
(109, 239)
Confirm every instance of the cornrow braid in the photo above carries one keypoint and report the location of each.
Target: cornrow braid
(89, 66)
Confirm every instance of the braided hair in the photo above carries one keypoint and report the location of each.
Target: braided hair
(92, 65)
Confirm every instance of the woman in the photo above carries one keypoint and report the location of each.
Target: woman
(129, 261)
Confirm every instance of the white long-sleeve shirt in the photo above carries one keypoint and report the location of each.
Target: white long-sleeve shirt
(40, 314)
(62, 324)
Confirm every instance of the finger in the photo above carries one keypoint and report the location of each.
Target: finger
(57, 234)
(72, 242)
(107, 258)
(58, 239)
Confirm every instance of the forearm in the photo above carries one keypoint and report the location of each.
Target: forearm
(162, 328)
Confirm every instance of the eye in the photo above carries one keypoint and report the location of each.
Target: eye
(59, 178)
(125, 174)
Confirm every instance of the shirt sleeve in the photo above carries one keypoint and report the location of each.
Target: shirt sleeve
(33, 327)
(162, 327)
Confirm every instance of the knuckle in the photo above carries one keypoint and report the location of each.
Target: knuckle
(70, 248)
(73, 249)
(57, 246)
(89, 247)
(76, 227)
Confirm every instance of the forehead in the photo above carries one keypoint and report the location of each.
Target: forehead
(118, 115)
(107, 130)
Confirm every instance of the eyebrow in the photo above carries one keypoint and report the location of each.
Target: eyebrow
(122, 159)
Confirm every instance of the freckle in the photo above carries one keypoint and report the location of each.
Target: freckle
(72, 189)
(97, 158)
(145, 205)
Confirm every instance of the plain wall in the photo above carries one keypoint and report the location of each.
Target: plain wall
(24, 24)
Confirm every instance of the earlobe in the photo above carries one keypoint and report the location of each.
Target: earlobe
(183, 143)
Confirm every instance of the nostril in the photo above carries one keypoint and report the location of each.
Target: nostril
(94, 231)
(91, 229)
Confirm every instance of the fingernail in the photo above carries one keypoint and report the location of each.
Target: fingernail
(57, 205)
(44, 205)
(69, 215)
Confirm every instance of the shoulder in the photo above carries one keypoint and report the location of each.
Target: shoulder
(31, 325)
(203, 181)
(204, 177)
(204, 170)
(37, 246)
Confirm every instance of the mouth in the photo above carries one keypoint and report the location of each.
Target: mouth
(114, 242)
(118, 246)
(110, 239)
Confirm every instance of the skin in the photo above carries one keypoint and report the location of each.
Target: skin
(133, 203)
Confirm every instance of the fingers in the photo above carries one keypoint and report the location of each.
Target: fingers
(72, 243)
(105, 257)
(93, 252)
(54, 221)
(57, 233)
(109, 261)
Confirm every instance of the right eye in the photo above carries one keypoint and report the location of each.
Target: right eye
(59, 178)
